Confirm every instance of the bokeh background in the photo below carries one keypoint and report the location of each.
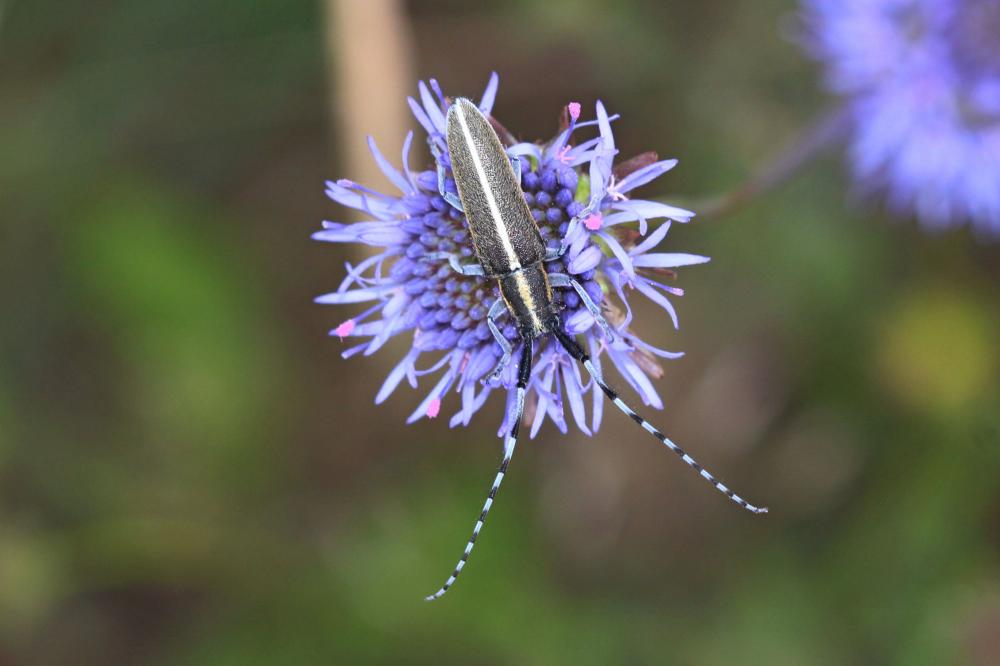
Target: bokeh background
(190, 474)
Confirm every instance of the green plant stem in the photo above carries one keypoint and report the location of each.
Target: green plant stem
(812, 142)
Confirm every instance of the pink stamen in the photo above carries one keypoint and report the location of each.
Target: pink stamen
(434, 408)
(344, 329)
(594, 222)
(574, 110)
(563, 154)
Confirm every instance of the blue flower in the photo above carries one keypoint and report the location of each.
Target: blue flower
(579, 199)
(922, 80)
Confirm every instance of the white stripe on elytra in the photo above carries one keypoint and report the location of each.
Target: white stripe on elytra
(501, 228)
(524, 289)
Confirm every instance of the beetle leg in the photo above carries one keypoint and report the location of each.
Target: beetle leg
(563, 280)
(515, 163)
(453, 261)
(449, 197)
(553, 253)
(495, 311)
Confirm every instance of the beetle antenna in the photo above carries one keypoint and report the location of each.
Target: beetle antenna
(577, 352)
(524, 373)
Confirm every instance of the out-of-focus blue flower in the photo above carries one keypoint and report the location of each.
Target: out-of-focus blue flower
(923, 82)
(579, 198)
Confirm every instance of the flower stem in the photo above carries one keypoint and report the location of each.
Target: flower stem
(807, 146)
(366, 83)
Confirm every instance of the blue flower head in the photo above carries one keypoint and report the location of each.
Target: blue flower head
(922, 81)
(579, 198)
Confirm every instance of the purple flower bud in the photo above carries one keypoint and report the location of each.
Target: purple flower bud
(568, 179)
(564, 198)
(529, 181)
(549, 181)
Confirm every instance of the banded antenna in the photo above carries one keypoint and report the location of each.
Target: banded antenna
(577, 352)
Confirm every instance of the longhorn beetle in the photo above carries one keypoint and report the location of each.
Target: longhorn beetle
(509, 247)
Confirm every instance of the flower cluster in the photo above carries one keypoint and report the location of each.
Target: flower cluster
(579, 199)
(922, 80)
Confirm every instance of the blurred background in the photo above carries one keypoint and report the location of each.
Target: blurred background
(190, 473)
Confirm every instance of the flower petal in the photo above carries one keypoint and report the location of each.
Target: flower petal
(658, 298)
(650, 241)
(355, 295)
(653, 210)
(637, 379)
(422, 117)
(644, 175)
(490, 94)
(396, 376)
(394, 176)
(571, 380)
(586, 260)
(436, 393)
(431, 107)
(668, 260)
(619, 252)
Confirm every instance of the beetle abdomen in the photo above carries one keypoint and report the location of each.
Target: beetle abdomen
(528, 295)
(504, 235)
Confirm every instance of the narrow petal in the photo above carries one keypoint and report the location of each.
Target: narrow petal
(659, 299)
(586, 260)
(651, 241)
(354, 296)
(575, 398)
(525, 150)
(637, 379)
(615, 277)
(355, 274)
(394, 176)
(421, 116)
(607, 137)
(543, 391)
(410, 176)
(436, 87)
(369, 233)
(490, 94)
(654, 209)
(668, 260)
(645, 174)
(432, 108)
(579, 321)
(396, 376)
(619, 252)
(352, 195)
(662, 353)
(471, 403)
(436, 393)
(353, 351)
